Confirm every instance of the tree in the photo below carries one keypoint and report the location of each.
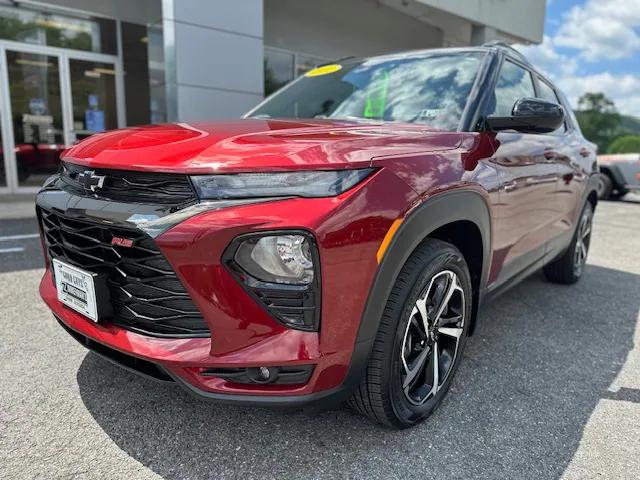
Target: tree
(598, 118)
(625, 144)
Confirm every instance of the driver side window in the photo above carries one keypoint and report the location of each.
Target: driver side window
(514, 83)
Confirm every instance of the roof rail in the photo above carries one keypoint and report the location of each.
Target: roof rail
(506, 46)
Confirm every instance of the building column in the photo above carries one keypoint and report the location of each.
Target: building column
(213, 55)
(481, 34)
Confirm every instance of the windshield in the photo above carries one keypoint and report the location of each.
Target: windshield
(431, 90)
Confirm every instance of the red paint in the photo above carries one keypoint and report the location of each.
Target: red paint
(524, 189)
(250, 145)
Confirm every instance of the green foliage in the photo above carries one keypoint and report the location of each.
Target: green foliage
(598, 119)
(625, 144)
(631, 125)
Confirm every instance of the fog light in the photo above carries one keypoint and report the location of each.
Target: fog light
(283, 375)
(262, 374)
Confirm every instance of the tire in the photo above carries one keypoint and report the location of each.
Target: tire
(605, 186)
(568, 268)
(618, 193)
(403, 351)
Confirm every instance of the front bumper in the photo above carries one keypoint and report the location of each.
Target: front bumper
(348, 229)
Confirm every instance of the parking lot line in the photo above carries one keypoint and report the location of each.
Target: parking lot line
(19, 237)
(12, 250)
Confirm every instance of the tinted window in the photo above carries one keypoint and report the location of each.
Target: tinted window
(431, 89)
(545, 92)
(514, 83)
(278, 70)
(304, 63)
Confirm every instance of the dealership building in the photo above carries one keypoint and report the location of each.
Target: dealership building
(70, 68)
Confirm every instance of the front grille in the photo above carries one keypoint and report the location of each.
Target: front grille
(146, 295)
(131, 186)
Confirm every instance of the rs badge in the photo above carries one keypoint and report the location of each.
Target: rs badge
(122, 242)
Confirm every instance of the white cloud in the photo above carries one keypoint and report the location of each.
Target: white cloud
(602, 29)
(624, 90)
(547, 59)
(598, 30)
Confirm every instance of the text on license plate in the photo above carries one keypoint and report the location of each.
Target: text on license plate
(76, 288)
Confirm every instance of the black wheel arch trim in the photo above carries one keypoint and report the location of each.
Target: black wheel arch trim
(438, 211)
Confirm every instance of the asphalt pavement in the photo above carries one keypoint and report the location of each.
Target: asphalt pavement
(549, 387)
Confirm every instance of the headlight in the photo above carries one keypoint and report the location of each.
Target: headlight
(281, 271)
(315, 183)
(277, 259)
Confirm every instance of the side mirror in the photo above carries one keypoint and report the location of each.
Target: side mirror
(530, 115)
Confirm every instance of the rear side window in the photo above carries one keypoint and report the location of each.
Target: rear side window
(545, 92)
(514, 83)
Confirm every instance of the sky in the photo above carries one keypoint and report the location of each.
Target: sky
(592, 46)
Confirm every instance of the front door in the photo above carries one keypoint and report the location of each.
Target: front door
(529, 210)
(50, 98)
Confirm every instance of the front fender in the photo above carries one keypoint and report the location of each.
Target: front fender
(464, 204)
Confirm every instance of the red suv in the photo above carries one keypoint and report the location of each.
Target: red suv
(335, 244)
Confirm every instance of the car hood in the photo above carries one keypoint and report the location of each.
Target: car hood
(255, 145)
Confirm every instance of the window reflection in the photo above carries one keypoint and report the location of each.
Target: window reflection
(43, 28)
(431, 90)
(93, 96)
(34, 85)
(304, 63)
(513, 84)
(278, 70)
(281, 67)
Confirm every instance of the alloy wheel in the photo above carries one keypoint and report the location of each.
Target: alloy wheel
(582, 242)
(432, 337)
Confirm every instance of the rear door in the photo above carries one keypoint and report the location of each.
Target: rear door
(529, 209)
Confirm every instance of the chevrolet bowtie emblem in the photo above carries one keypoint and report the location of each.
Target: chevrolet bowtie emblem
(90, 181)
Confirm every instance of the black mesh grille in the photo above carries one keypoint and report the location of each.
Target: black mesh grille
(145, 292)
(131, 186)
(295, 305)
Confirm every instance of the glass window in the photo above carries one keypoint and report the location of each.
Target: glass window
(44, 28)
(545, 92)
(135, 60)
(93, 96)
(34, 86)
(278, 70)
(304, 63)
(429, 89)
(157, 94)
(514, 83)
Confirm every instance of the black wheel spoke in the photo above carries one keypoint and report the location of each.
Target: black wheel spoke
(432, 337)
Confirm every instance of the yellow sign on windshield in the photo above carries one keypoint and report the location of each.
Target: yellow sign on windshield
(324, 70)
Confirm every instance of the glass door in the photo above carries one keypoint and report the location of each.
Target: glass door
(93, 98)
(51, 98)
(36, 115)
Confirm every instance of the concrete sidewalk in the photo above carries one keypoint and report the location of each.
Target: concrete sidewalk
(17, 206)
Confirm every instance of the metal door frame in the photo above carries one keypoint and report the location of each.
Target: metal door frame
(64, 56)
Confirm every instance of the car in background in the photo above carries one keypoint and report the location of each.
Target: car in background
(336, 244)
(619, 175)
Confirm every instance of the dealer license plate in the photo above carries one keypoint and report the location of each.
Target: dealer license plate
(76, 289)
